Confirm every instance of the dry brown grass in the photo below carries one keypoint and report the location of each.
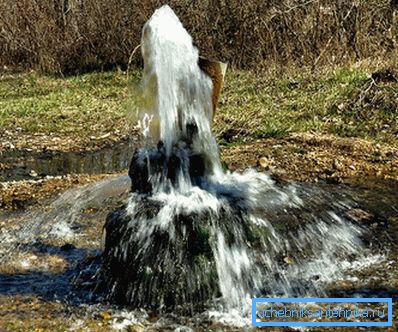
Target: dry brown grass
(64, 36)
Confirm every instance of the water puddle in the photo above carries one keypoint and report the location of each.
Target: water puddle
(54, 254)
(22, 164)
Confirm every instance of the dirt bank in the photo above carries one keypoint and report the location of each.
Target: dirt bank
(314, 157)
(299, 157)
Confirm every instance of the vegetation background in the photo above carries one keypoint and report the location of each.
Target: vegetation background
(316, 79)
(74, 36)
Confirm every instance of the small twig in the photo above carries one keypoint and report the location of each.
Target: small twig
(298, 6)
(332, 37)
(131, 58)
(278, 13)
(363, 93)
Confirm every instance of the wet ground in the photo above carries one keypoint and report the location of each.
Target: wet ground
(47, 276)
(316, 158)
(28, 176)
(26, 164)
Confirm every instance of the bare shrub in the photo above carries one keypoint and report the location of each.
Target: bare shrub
(66, 36)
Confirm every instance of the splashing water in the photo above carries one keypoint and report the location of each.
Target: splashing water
(192, 233)
(177, 93)
(190, 236)
(60, 217)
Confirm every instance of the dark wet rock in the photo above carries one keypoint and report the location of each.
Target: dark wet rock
(154, 161)
(168, 272)
(163, 270)
(385, 76)
(229, 135)
(67, 247)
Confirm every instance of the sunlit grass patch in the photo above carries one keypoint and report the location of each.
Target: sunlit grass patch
(344, 102)
(91, 103)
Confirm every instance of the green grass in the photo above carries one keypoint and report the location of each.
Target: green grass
(87, 104)
(339, 102)
(342, 102)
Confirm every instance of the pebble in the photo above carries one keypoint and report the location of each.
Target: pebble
(263, 162)
(104, 136)
(288, 260)
(337, 165)
(33, 173)
(135, 328)
(106, 315)
(8, 145)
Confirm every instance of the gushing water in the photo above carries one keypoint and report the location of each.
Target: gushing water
(210, 234)
(177, 94)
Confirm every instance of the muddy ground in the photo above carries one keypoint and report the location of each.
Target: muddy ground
(298, 157)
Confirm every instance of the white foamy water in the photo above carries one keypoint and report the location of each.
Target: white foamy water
(176, 92)
(252, 255)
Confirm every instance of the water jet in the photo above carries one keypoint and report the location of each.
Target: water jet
(192, 234)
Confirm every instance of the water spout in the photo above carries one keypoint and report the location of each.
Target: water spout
(192, 234)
